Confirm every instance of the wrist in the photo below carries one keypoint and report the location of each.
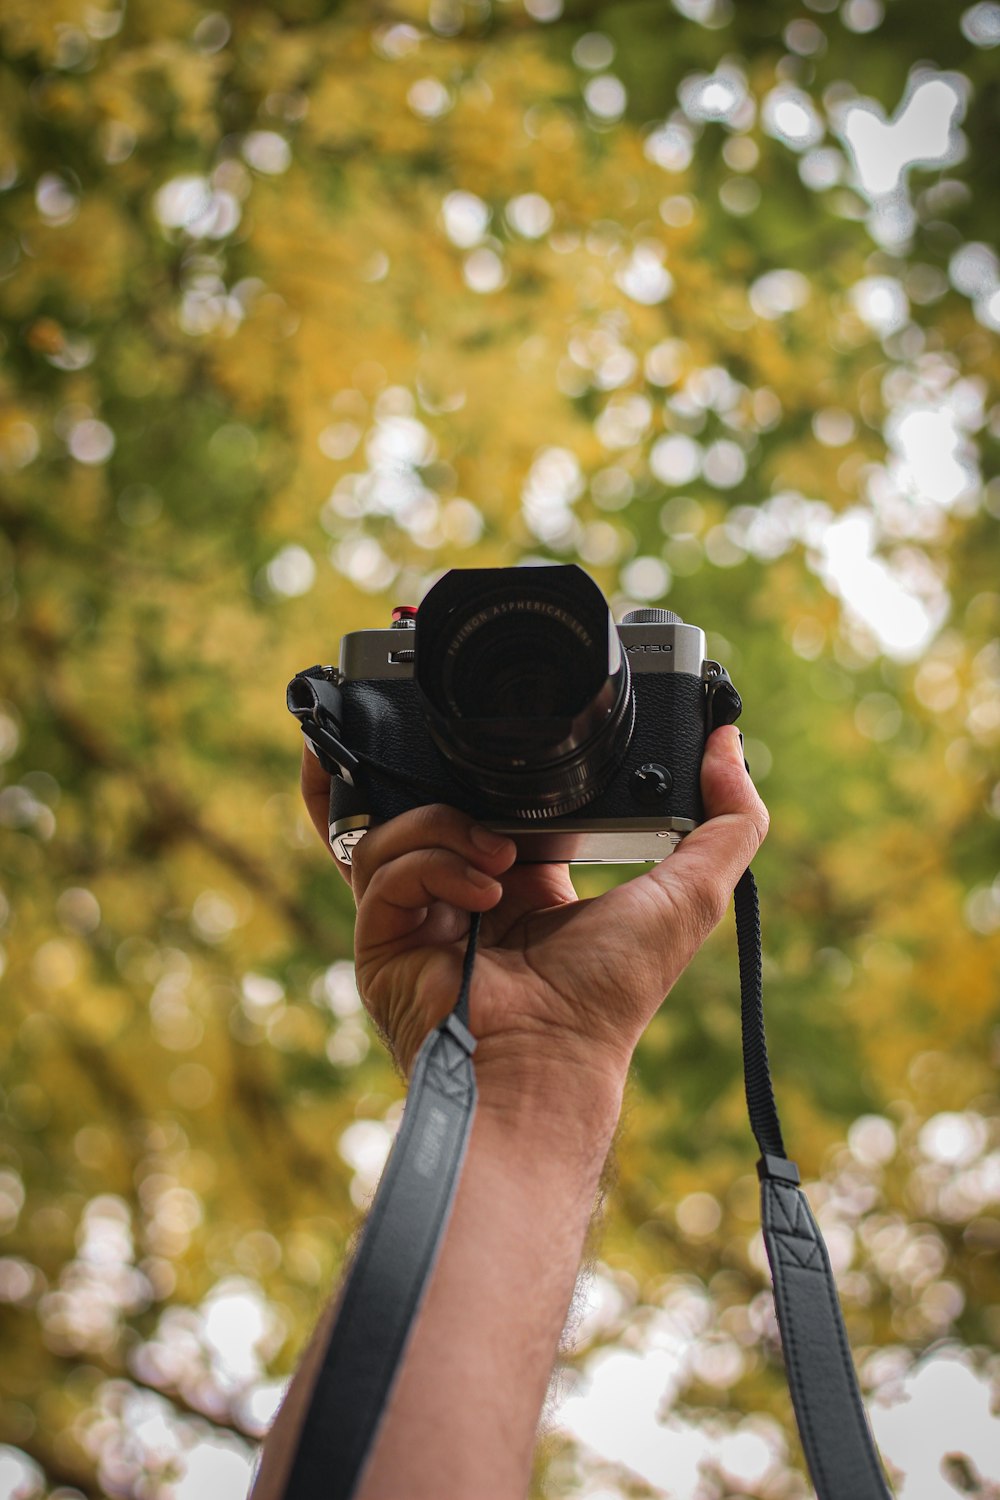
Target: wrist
(573, 1095)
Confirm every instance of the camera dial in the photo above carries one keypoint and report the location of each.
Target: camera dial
(649, 616)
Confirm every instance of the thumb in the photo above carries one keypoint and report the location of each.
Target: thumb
(703, 872)
(649, 928)
(725, 778)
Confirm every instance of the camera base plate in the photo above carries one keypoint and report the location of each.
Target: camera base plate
(643, 841)
(599, 842)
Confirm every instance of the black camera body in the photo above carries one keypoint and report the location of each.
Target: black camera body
(512, 695)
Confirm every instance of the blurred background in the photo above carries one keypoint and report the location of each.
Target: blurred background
(304, 303)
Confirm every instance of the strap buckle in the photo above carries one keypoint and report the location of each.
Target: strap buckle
(313, 696)
(461, 1033)
(724, 704)
(778, 1169)
(344, 761)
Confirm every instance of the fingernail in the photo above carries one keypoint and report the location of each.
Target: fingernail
(487, 840)
(734, 743)
(479, 877)
(734, 746)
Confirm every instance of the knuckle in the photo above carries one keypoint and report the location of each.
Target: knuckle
(761, 820)
(436, 819)
(709, 899)
(694, 906)
(373, 884)
(416, 870)
(391, 884)
(441, 872)
(417, 822)
(364, 857)
(422, 867)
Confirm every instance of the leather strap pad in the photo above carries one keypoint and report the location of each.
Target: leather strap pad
(833, 1426)
(391, 1270)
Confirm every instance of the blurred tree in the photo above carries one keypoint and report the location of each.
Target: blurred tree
(302, 304)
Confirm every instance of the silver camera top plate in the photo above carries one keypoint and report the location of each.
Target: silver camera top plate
(378, 655)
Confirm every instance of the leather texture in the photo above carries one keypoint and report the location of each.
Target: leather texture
(390, 1273)
(384, 720)
(832, 1422)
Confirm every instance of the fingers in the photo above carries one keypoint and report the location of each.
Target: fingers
(399, 894)
(737, 820)
(315, 784)
(427, 828)
(429, 854)
(700, 877)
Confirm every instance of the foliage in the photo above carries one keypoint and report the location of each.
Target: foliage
(304, 303)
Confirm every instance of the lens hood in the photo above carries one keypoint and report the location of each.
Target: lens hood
(524, 685)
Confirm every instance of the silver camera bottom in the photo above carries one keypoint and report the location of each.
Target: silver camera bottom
(599, 842)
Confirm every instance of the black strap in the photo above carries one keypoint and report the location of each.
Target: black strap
(761, 1107)
(393, 1264)
(829, 1412)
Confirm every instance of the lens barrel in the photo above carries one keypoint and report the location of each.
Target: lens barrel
(525, 686)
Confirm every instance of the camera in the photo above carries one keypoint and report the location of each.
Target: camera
(511, 694)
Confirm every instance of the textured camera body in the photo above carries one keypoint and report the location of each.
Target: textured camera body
(385, 720)
(652, 799)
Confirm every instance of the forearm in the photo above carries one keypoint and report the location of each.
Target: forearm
(464, 1412)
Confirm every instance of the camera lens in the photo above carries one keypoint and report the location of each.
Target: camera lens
(525, 686)
(517, 665)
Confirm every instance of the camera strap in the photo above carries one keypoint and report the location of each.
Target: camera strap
(392, 1267)
(829, 1412)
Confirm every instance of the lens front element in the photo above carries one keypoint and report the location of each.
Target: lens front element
(525, 685)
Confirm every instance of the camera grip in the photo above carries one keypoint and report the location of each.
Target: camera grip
(349, 818)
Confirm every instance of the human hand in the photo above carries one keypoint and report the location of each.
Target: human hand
(559, 983)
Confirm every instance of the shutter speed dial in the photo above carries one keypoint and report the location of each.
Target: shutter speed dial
(650, 616)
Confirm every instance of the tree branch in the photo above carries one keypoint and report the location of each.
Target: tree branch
(175, 813)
